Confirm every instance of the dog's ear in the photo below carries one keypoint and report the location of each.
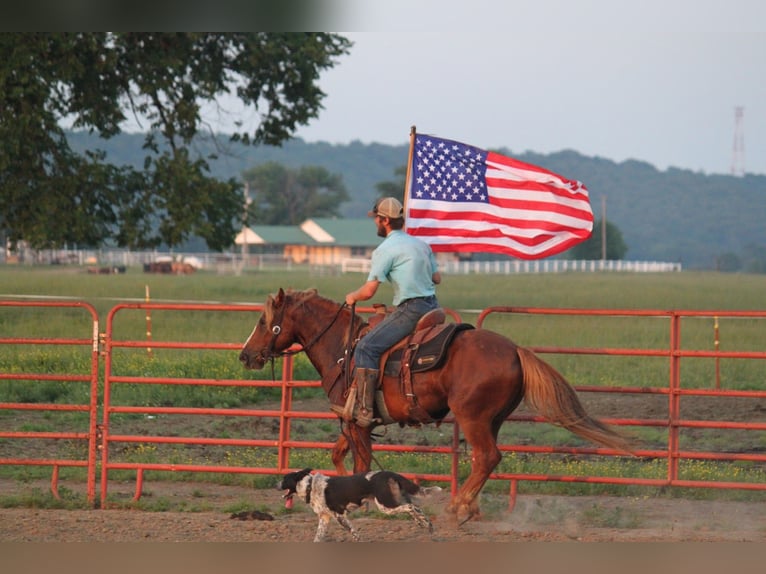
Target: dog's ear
(305, 472)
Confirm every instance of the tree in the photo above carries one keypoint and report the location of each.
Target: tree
(393, 188)
(728, 262)
(50, 195)
(754, 258)
(591, 248)
(283, 196)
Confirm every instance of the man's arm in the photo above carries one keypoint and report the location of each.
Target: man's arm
(364, 292)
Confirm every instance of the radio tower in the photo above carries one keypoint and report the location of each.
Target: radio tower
(738, 152)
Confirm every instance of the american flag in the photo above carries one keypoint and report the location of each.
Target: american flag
(465, 199)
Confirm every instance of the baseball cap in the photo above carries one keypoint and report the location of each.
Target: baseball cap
(387, 207)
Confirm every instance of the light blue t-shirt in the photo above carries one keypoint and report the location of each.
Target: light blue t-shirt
(407, 263)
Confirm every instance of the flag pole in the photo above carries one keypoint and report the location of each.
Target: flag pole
(409, 172)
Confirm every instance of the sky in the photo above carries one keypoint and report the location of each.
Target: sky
(656, 81)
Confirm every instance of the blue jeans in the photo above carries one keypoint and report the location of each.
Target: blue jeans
(396, 325)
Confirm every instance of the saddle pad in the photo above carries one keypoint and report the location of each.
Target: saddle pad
(429, 354)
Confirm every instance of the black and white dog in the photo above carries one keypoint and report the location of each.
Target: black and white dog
(334, 496)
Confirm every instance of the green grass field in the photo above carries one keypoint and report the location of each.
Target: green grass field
(466, 294)
(687, 290)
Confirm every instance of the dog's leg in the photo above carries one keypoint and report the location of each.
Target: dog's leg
(414, 511)
(346, 523)
(324, 522)
(420, 517)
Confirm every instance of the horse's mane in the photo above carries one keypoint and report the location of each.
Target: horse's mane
(296, 297)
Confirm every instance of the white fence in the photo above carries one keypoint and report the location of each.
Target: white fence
(508, 267)
(222, 263)
(555, 266)
(234, 263)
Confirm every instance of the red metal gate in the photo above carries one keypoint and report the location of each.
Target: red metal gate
(87, 435)
(284, 415)
(674, 391)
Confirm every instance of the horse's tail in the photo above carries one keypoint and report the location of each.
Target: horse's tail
(548, 393)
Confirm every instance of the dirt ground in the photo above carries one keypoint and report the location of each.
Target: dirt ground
(534, 518)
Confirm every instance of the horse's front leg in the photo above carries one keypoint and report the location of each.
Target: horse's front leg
(339, 452)
(358, 440)
(361, 447)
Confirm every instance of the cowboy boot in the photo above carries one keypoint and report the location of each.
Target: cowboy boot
(366, 380)
(362, 388)
(346, 412)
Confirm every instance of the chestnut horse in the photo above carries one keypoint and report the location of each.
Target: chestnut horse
(482, 380)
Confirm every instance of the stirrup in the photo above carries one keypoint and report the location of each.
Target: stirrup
(346, 412)
(366, 421)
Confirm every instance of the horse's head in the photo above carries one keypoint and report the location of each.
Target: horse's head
(273, 334)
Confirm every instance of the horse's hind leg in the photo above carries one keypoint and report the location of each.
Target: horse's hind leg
(485, 456)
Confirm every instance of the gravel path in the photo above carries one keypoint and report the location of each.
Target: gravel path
(535, 518)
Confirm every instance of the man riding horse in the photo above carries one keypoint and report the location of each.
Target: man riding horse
(410, 266)
(482, 380)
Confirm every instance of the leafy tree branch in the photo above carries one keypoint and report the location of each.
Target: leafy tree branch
(50, 195)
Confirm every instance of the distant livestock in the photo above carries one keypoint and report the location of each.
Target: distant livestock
(114, 270)
(174, 267)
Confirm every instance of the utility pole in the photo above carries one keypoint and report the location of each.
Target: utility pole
(738, 149)
(603, 228)
(244, 226)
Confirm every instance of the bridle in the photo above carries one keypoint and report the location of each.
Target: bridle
(268, 353)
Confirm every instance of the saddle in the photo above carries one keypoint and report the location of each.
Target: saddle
(421, 350)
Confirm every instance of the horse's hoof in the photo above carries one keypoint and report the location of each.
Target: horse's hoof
(463, 517)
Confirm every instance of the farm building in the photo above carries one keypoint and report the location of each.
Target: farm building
(318, 241)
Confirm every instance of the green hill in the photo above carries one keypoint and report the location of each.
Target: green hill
(671, 215)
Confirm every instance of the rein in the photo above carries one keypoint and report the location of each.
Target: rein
(349, 345)
(277, 329)
(347, 356)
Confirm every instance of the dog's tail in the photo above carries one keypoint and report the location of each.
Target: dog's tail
(426, 491)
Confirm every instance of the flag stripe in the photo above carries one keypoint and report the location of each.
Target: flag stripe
(504, 247)
(540, 208)
(464, 199)
(495, 237)
(480, 220)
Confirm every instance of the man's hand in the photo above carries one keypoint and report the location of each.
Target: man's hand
(364, 293)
